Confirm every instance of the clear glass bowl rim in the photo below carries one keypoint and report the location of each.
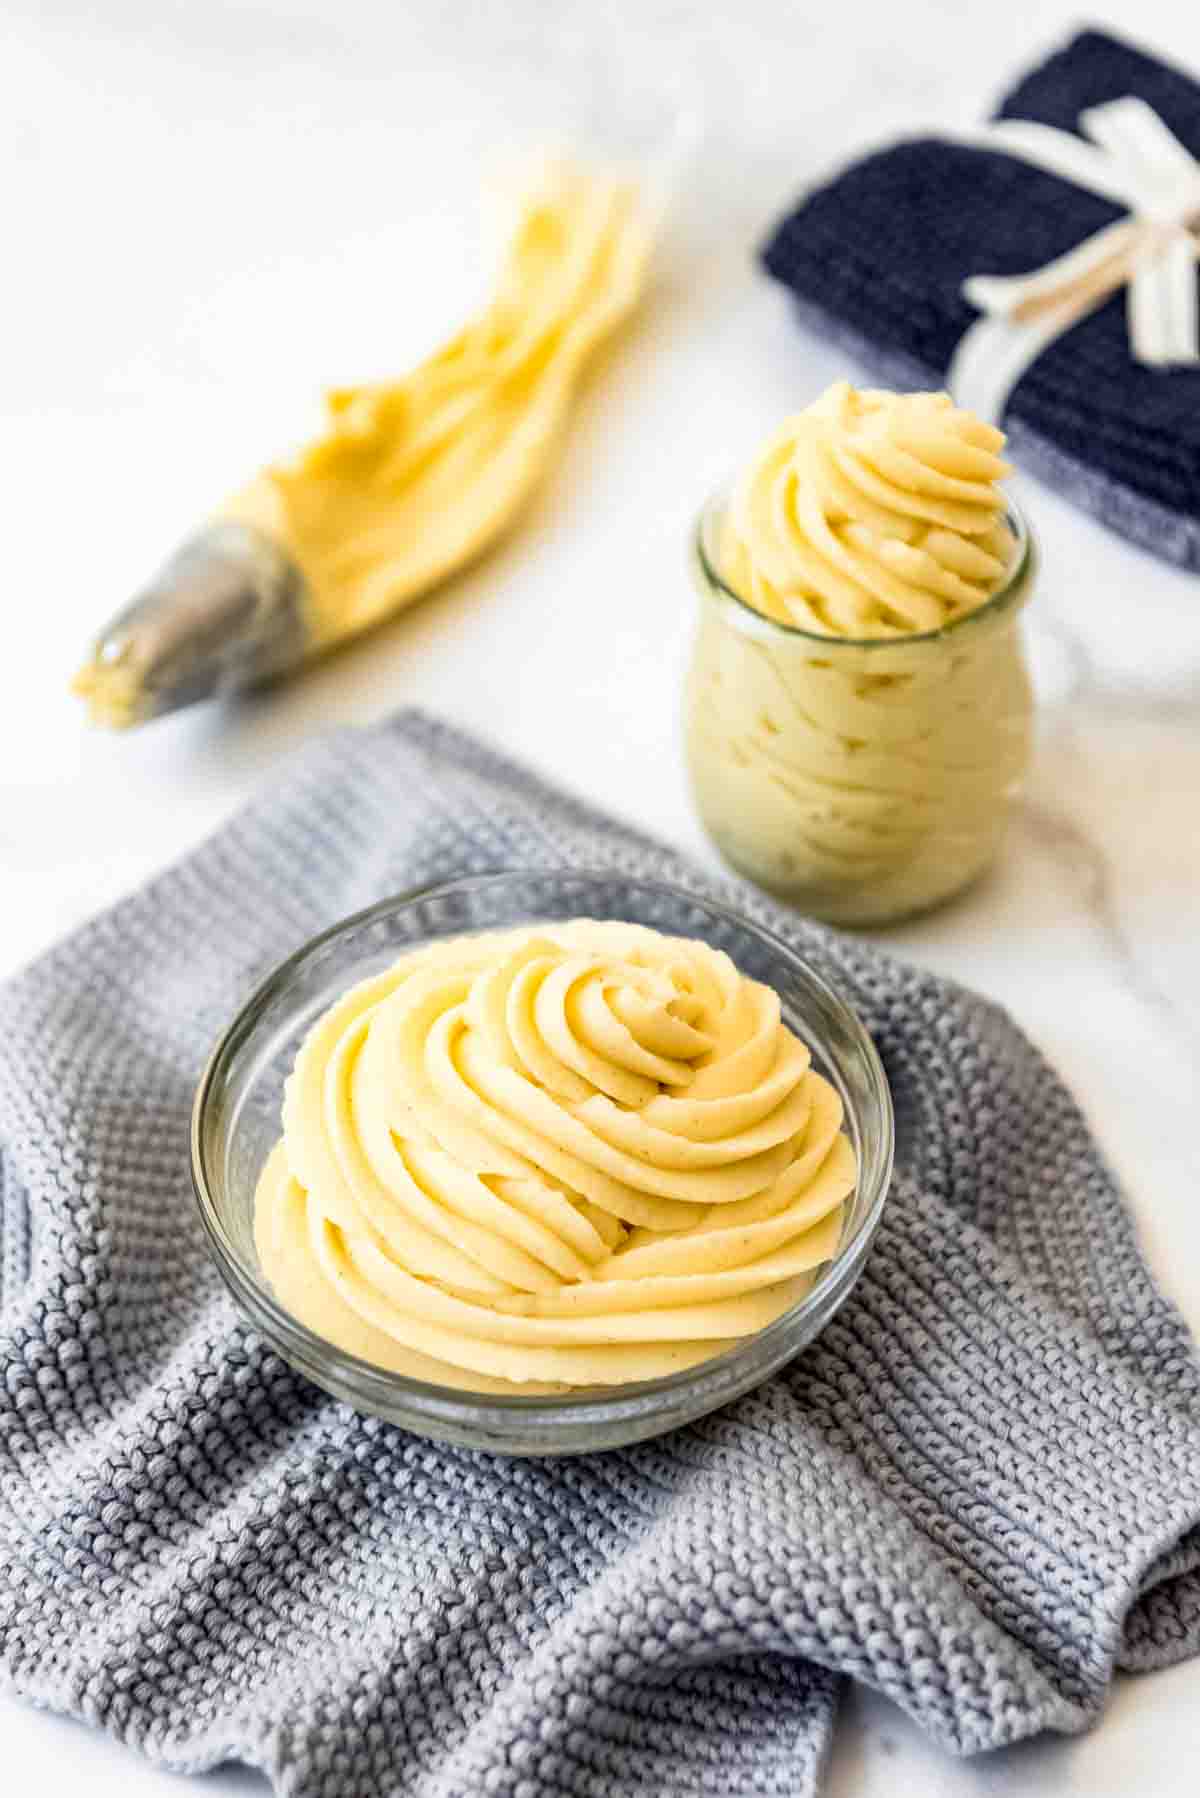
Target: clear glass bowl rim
(379, 1387)
(1009, 597)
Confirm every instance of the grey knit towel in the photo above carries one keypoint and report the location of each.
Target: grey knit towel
(978, 1491)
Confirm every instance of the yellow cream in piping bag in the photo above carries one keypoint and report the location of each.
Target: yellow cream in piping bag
(409, 481)
(412, 478)
(562, 1155)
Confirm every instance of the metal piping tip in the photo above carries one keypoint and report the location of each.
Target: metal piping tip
(226, 611)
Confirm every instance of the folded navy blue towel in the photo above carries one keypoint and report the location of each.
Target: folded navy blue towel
(876, 259)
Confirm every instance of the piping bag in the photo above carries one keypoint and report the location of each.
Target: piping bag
(410, 479)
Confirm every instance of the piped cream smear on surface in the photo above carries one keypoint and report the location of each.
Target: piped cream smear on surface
(413, 478)
(564, 1155)
(857, 736)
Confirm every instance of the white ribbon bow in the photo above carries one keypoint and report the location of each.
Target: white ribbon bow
(1135, 160)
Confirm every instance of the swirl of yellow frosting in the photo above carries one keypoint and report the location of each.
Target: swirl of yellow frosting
(871, 514)
(569, 1154)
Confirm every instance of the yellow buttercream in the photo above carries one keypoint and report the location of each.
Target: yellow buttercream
(413, 478)
(564, 1155)
(871, 515)
(862, 759)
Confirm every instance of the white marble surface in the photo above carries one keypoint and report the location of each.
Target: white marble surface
(216, 209)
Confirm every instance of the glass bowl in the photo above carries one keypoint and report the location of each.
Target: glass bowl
(236, 1123)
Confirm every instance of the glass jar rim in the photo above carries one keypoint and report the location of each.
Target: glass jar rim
(1010, 596)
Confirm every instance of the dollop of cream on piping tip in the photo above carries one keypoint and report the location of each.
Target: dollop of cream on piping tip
(411, 479)
(562, 1155)
(869, 515)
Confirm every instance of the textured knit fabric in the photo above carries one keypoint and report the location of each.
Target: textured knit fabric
(977, 1491)
(877, 258)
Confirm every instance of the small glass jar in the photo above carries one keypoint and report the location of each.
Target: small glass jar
(861, 779)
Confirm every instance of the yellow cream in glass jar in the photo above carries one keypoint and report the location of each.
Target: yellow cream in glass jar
(858, 709)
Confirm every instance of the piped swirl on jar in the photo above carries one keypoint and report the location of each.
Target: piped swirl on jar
(871, 515)
(565, 1155)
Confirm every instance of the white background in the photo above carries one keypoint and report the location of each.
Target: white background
(212, 211)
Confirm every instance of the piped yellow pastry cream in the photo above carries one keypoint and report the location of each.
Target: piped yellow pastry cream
(859, 724)
(871, 514)
(409, 481)
(563, 1155)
